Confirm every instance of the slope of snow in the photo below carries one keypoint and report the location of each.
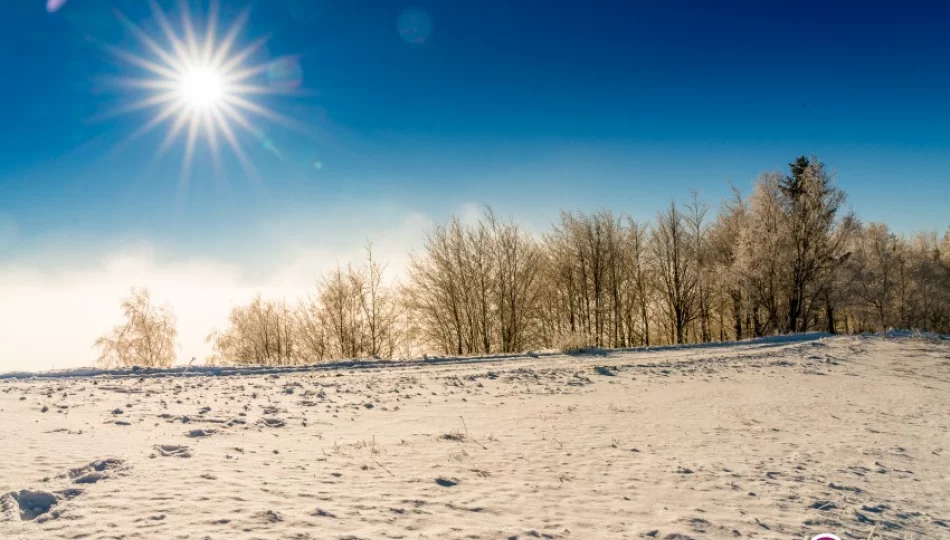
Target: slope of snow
(771, 439)
(217, 371)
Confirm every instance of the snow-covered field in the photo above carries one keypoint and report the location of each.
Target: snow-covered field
(772, 439)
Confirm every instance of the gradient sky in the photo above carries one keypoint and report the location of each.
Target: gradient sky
(530, 106)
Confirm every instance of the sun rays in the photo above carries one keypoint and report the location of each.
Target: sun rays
(200, 84)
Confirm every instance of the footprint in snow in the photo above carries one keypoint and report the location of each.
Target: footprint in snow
(173, 450)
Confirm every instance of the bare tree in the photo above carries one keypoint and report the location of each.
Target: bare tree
(378, 308)
(929, 295)
(676, 266)
(435, 296)
(340, 303)
(147, 338)
(262, 332)
(593, 278)
(312, 336)
(517, 273)
(788, 258)
(875, 268)
(699, 250)
(763, 256)
(476, 288)
(725, 243)
(641, 269)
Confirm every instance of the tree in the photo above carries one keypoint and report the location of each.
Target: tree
(312, 336)
(517, 272)
(641, 270)
(929, 289)
(673, 249)
(725, 243)
(875, 268)
(355, 311)
(147, 338)
(810, 206)
(594, 283)
(350, 314)
(262, 332)
(476, 289)
(698, 230)
(340, 302)
(762, 256)
(789, 258)
(378, 308)
(795, 239)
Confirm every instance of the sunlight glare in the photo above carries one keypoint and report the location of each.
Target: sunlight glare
(202, 88)
(200, 82)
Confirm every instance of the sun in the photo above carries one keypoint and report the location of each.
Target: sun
(201, 85)
(202, 88)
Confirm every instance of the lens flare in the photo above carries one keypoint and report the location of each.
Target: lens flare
(285, 74)
(52, 6)
(414, 26)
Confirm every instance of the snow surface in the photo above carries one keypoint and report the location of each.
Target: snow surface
(773, 438)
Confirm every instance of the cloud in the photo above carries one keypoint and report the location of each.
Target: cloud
(52, 311)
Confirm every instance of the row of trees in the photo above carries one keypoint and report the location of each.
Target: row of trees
(789, 258)
(351, 315)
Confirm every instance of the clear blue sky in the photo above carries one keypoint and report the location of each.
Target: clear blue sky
(530, 106)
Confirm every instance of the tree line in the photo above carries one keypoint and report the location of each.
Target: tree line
(788, 258)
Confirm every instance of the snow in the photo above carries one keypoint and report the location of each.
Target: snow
(772, 438)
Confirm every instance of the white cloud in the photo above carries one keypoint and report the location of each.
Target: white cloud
(51, 313)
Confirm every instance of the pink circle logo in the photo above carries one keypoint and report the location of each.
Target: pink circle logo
(825, 537)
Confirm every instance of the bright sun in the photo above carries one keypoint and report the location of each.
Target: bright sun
(201, 88)
(201, 85)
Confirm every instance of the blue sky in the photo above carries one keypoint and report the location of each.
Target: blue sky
(530, 106)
